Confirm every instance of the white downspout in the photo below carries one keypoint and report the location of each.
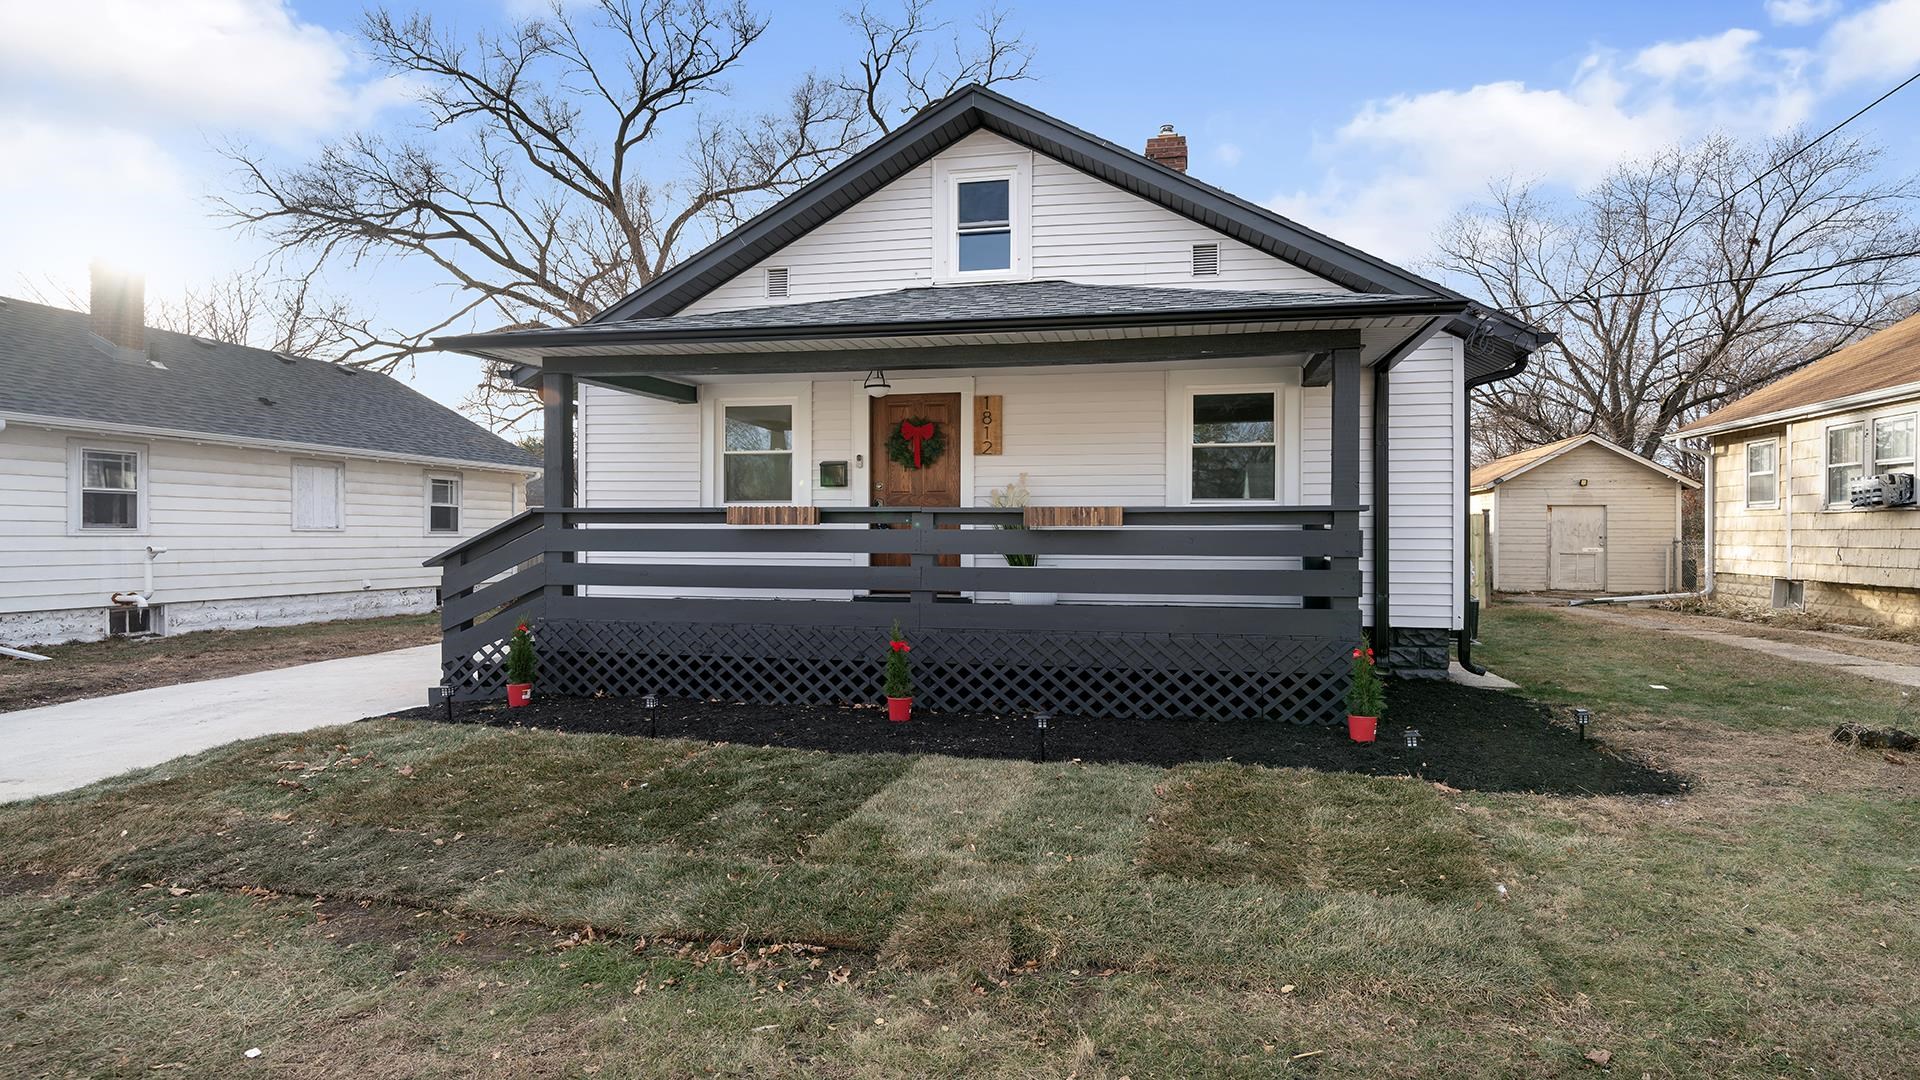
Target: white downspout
(145, 595)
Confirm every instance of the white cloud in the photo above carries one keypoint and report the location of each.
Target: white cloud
(230, 63)
(1880, 42)
(1800, 12)
(1402, 165)
(1722, 58)
(1229, 154)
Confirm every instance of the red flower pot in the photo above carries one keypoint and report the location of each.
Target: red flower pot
(1360, 728)
(519, 693)
(899, 709)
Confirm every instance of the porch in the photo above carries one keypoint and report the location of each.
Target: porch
(679, 603)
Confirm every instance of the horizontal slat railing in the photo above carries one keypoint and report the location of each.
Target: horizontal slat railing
(1166, 568)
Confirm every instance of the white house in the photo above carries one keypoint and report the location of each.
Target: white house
(154, 482)
(1244, 442)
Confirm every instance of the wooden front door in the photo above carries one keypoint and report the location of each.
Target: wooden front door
(936, 483)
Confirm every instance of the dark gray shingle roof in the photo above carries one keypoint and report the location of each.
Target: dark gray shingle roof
(974, 308)
(52, 365)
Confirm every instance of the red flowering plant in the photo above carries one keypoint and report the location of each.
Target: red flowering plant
(1366, 696)
(899, 675)
(521, 661)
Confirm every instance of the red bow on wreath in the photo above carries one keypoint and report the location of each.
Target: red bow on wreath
(915, 434)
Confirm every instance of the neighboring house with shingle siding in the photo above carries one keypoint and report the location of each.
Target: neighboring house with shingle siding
(1781, 466)
(159, 482)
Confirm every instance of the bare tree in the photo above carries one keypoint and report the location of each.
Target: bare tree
(570, 159)
(1684, 281)
(289, 316)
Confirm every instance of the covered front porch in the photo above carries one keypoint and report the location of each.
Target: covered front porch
(1242, 600)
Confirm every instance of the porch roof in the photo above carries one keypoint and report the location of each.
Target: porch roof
(1028, 312)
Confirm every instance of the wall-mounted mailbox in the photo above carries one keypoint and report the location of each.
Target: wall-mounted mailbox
(833, 474)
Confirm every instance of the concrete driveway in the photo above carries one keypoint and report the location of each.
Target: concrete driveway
(57, 747)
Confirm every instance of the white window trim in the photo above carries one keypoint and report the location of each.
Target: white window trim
(427, 503)
(1746, 474)
(339, 465)
(1871, 449)
(714, 400)
(76, 449)
(1827, 464)
(946, 224)
(1283, 383)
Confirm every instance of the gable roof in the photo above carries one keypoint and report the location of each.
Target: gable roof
(1886, 361)
(1500, 470)
(53, 368)
(1497, 344)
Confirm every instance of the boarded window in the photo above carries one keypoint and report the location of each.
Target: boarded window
(1233, 446)
(316, 495)
(757, 458)
(109, 489)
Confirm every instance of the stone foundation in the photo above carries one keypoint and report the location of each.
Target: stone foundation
(90, 624)
(1419, 652)
(1862, 605)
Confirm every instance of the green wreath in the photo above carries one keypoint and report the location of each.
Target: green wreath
(900, 451)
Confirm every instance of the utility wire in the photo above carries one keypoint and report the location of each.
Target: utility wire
(1587, 295)
(1807, 270)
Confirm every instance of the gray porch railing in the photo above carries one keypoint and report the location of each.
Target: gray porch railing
(1169, 631)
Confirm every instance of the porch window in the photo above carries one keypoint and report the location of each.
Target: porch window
(443, 504)
(109, 489)
(1846, 460)
(1763, 474)
(1233, 446)
(983, 209)
(757, 457)
(1893, 444)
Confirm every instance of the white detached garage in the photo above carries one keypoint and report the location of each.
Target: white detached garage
(1581, 515)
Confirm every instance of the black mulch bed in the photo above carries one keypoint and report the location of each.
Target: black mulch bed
(1470, 739)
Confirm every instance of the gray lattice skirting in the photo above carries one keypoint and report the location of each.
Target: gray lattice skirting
(1148, 676)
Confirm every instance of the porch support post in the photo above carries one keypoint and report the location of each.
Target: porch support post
(1345, 466)
(1382, 546)
(557, 391)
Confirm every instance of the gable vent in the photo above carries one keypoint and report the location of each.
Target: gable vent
(776, 281)
(1206, 260)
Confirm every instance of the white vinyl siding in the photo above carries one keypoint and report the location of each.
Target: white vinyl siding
(224, 515)
(317, 489)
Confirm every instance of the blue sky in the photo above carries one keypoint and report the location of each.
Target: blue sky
(1370, 121)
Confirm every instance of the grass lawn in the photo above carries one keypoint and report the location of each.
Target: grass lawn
(116, 665)
(400, 898)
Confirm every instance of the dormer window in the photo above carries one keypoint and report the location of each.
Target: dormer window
(984, 225)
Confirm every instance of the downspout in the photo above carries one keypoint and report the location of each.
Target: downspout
(1471, 622)
(1382, 542)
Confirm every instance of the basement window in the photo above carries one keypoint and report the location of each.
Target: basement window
(1789, 594)
(133, 621)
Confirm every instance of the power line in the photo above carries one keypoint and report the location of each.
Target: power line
(1807, 270)
(1776, 167)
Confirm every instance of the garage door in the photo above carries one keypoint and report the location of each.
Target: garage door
(1578, 560)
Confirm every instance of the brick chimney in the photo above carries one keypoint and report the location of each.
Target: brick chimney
(1168, 148)
(119, 306)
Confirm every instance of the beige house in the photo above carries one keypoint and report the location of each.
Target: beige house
(1811, 481)
(1581, 515)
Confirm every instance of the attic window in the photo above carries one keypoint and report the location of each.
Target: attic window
(776, 281)
(1206, 260)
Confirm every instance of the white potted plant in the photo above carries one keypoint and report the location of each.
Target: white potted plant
(1015, 494)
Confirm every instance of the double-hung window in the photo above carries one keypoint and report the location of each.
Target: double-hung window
(1893, 444)
(443, 504)
(1846, 460)
(757, 453)
(109, 489)
(983, 224)
(1763, 473)
(1234, 446)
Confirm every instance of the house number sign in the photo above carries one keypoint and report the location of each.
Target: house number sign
(986, 424)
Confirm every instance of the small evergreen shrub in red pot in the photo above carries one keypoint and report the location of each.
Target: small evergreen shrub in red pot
(521, 665)
(899, 678)
(1366, 697)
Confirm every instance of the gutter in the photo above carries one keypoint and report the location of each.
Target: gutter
(1800, 412)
